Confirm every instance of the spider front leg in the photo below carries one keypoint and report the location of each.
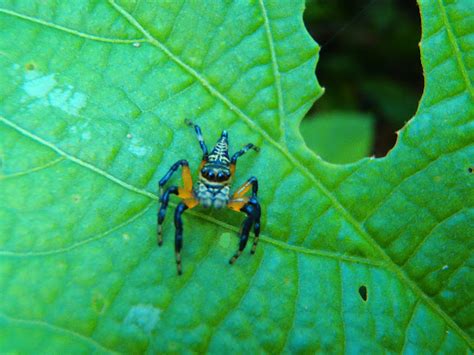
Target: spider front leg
(178, 239)
(184, 193)
(200, 138)
(251, 207)
(237, 155)
(164, 199)
(186, 174)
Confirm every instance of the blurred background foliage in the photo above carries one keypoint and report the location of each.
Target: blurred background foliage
(370, 67)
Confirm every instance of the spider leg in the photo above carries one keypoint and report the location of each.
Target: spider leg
(242, 190)
(241, 152)
(178, 240)
(256, 227)
(164, 199)
(185, 192)
(186, 174)
(251, 207)
(237, 155)
(252, 210)
(205, 153)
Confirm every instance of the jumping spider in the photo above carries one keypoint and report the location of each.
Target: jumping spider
(212, 190)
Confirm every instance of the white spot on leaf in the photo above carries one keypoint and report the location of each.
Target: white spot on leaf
(45, 88)
(143, 316)
(38, 86)
(138, 151)
(67, 100)
(136, 148)
(86, 135)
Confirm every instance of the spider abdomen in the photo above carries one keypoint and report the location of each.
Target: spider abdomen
(216, 196)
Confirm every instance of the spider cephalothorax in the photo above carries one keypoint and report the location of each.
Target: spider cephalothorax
(212, 190)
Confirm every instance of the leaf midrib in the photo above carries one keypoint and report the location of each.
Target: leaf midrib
(388, 262)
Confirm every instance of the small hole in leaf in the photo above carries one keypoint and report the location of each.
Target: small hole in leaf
(30, 66)
(363, 292)
(470, 170)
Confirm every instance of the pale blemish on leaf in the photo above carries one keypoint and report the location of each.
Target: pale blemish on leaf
(86, 135)
(136, 148)
(45, 87)
(67, 100)
(37, 85)
(143, 316)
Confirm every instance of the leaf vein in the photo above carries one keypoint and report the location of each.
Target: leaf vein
(295, 306)
(82, 242)
(70, 30)
(455, 47)
(276, 70)
(32, 170)
(410, 319)
(59, 329)
(236, 306)
(425, 238)
(416, 172)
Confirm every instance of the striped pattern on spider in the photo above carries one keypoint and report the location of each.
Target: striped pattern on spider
(212, 190)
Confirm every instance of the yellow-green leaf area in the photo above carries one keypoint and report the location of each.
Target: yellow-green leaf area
(93, 95)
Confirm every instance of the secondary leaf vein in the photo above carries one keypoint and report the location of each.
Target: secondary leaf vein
(276, 70)
(70, 30)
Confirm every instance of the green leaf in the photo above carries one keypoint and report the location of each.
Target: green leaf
(92, 101)
(339, 136)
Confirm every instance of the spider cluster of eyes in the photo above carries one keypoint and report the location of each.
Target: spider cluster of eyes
(212, 175)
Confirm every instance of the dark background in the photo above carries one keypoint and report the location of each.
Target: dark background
(370, 67)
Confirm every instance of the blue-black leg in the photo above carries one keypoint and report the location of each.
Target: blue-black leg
(253, 212)
(178, 241)
(200, 138)
(256, 227)
(241, 152)
(170, 173)
(164, 199)
(257, 212)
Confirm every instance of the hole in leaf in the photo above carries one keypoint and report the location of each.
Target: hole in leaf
(30, 66)
(385, 83)
(470, 170)
(363, 292)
